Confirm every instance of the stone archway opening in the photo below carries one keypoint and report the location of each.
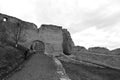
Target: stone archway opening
(38, 46)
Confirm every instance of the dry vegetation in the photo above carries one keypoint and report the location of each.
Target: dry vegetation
(102, 59)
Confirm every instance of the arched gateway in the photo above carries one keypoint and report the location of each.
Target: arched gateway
(38, 46)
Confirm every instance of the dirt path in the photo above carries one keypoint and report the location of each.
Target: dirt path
(39, 67)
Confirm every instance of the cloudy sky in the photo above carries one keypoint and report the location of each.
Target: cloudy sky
(90, 22)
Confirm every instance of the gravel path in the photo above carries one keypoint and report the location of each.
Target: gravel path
(61, 71)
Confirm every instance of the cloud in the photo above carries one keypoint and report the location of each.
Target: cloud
(106, 15)
(66, 12)
(98, 37)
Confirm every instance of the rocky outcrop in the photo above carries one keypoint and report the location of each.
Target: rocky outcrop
(67, 44)
(101, 50)
(78, 49)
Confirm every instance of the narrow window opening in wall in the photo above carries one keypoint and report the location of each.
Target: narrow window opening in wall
(4, 19)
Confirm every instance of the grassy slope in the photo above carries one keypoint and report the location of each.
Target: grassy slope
(79, 71)
(108, 60)
(10, 58)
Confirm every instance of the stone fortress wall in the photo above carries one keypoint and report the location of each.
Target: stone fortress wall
(56, 39)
